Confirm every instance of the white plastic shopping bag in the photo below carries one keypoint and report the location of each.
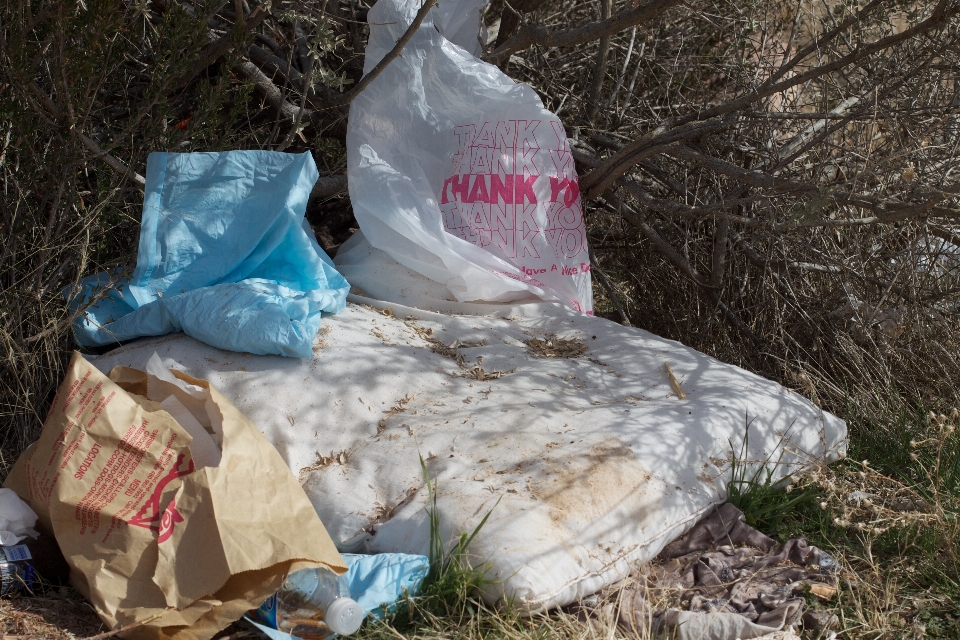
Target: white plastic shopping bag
(458, 172)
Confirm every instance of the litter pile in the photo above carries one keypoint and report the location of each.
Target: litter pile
(196, 477)
(581, 452)
(174, 514)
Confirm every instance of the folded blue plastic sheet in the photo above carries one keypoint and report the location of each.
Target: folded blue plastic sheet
(225, 256)
(378, 581)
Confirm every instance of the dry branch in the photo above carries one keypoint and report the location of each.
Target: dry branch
(511, 16)
(607, 172)
(271, 92)
(222, 46)
(938, 18)
(329, 186)
(118, 166)
(531, 34)
(600, 72)
(53, 112)
(605, 282)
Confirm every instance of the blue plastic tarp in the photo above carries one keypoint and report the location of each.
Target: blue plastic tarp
(225, 256)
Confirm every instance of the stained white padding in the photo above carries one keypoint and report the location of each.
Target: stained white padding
(587, 466)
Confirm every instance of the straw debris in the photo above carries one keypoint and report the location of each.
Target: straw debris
(552, 346)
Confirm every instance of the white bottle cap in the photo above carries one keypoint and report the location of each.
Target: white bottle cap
(344, 616)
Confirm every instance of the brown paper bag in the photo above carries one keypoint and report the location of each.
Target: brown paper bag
(159, 521)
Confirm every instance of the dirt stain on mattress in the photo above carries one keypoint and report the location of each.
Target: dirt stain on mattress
(582, 483)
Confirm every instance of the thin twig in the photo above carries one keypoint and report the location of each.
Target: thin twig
(111, 161)
(222, 45)
(612, 99)
(607, 172)
(678, 261)
(939, 17)
(129, 627)
(393, 54)
(271, 92)
(664, 247)
(600, 71)
(624, 319)
(307, 77)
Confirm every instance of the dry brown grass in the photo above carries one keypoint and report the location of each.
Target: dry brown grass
(60, 615)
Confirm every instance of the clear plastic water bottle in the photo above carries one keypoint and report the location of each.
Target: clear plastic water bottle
(16, 569)
(312, 604)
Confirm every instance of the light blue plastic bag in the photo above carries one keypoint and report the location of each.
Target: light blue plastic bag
(376, 582)
(225, 256)
(380, 580)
